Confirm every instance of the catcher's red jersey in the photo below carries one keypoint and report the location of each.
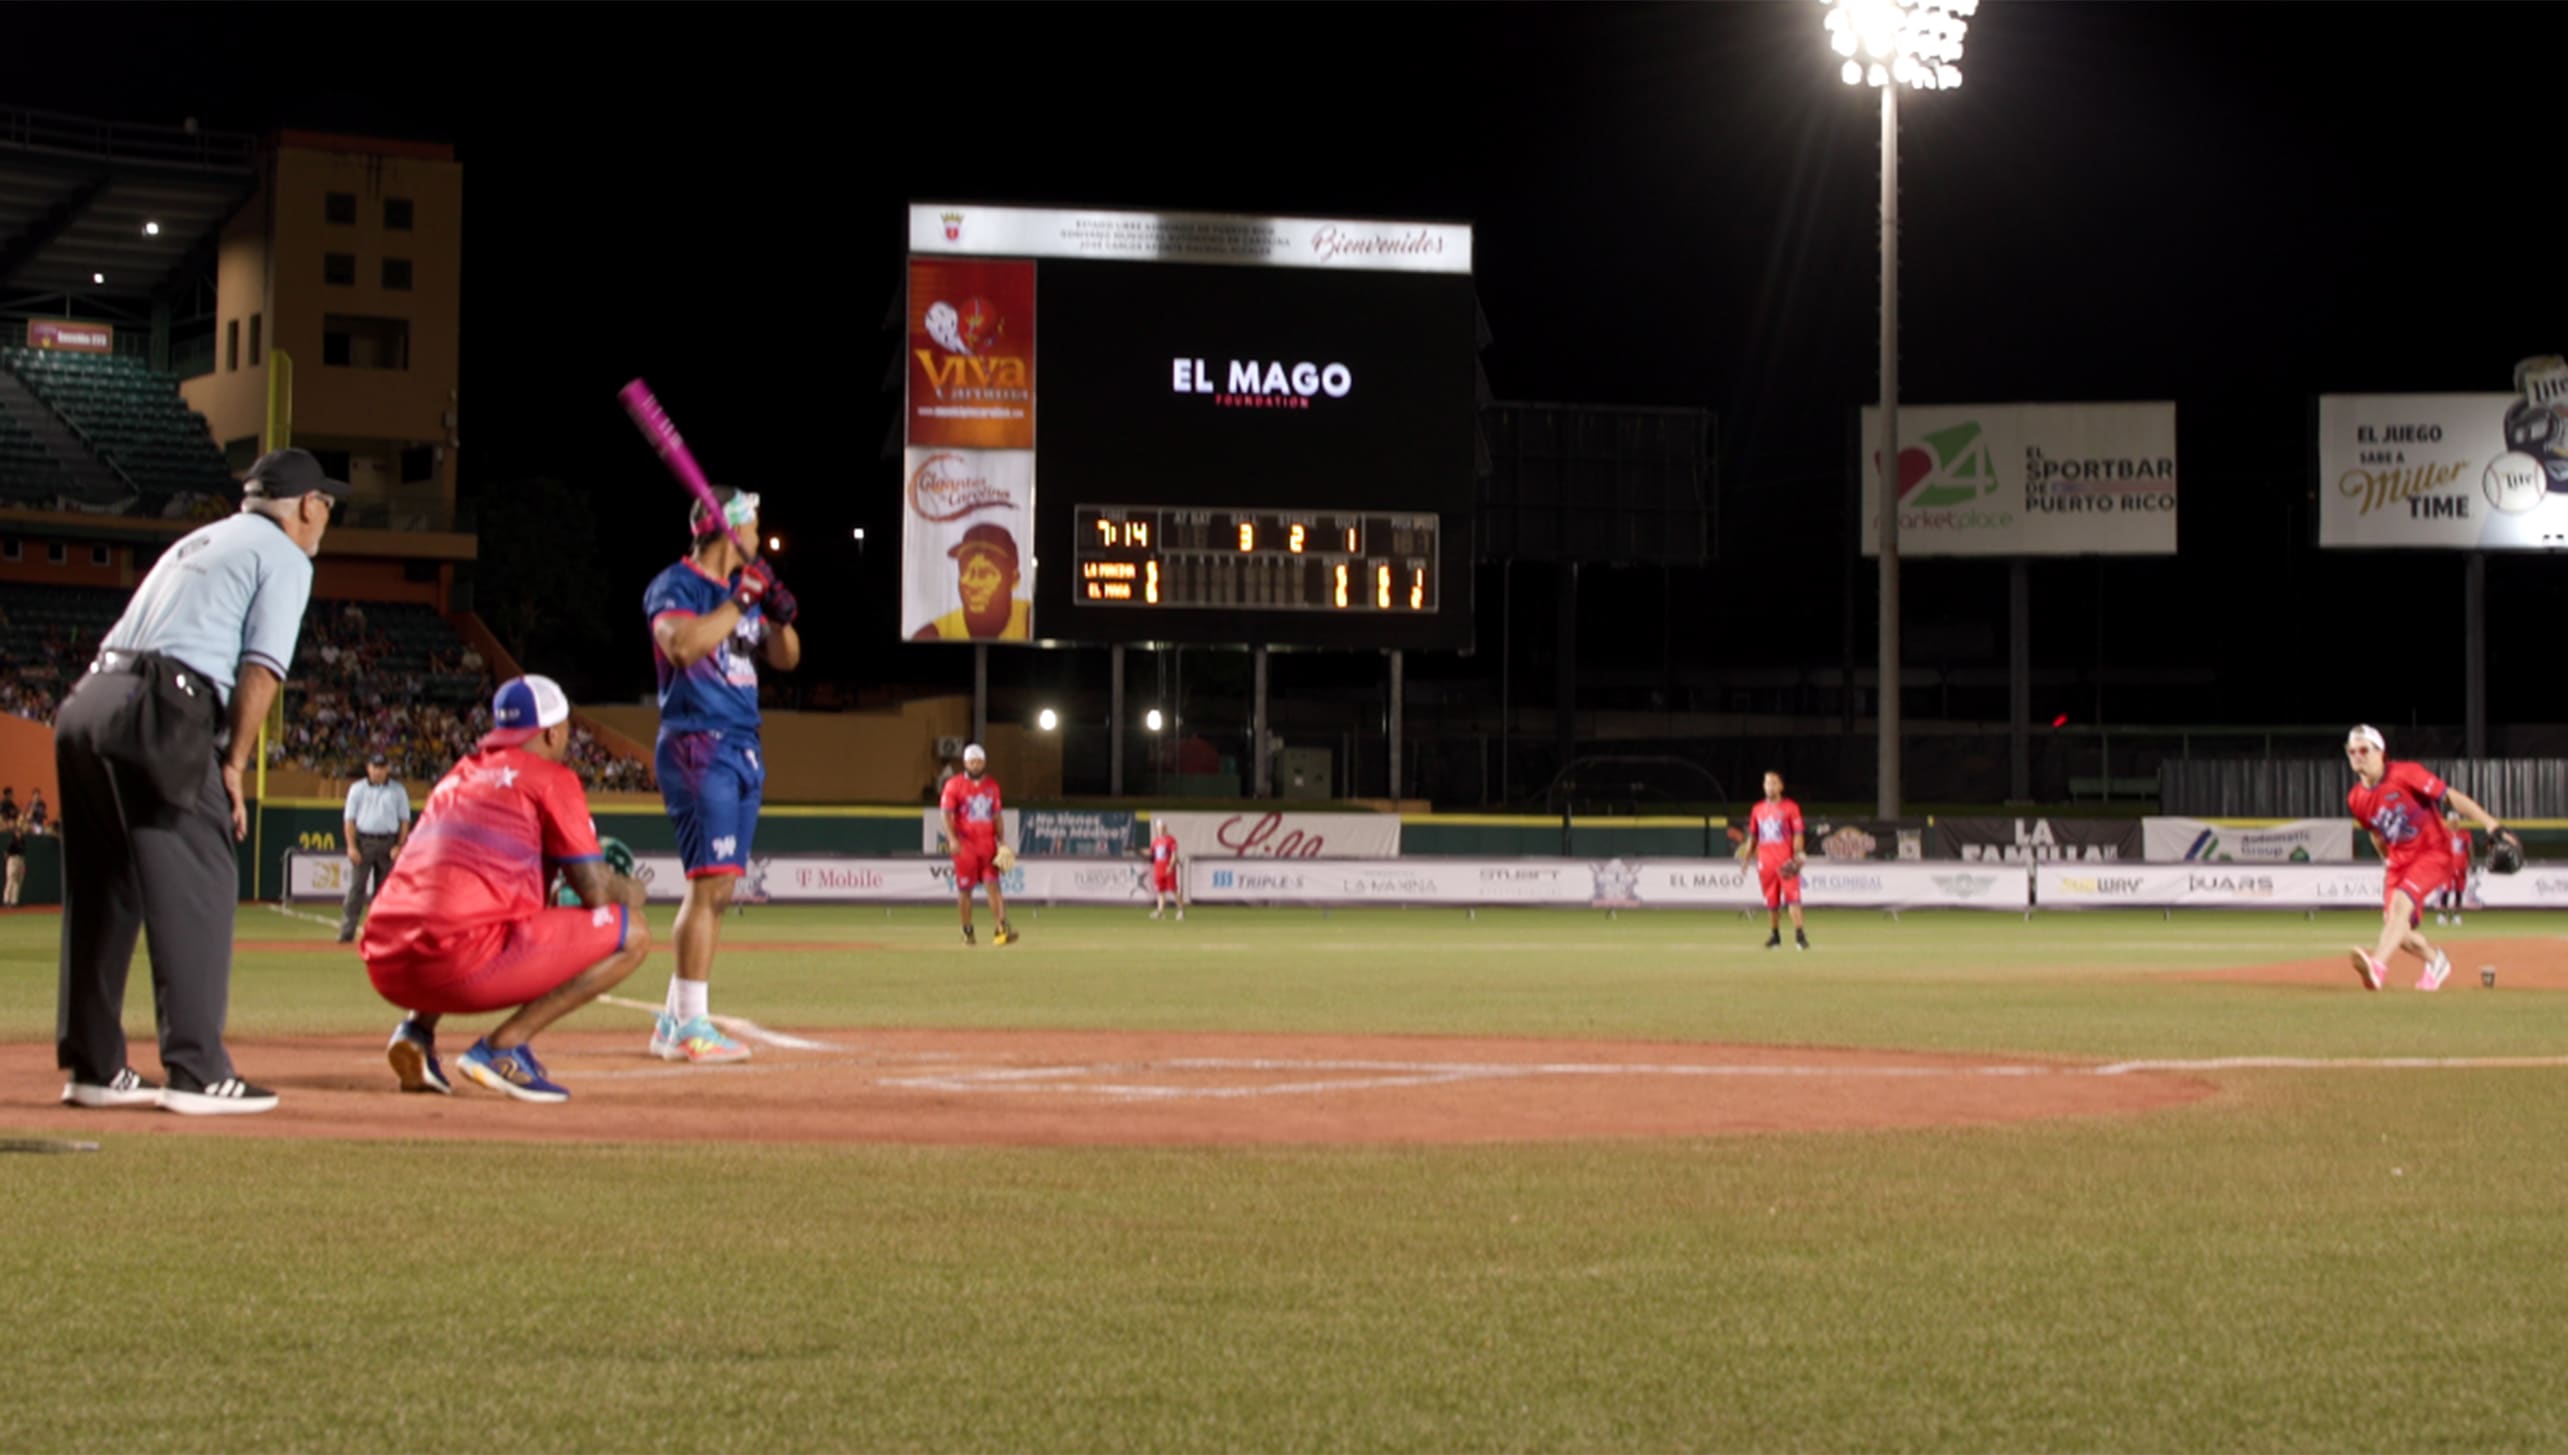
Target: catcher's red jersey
(1774, 826)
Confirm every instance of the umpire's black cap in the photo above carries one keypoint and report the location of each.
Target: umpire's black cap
(285, 474)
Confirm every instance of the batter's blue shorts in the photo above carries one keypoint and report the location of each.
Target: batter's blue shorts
(712, 783)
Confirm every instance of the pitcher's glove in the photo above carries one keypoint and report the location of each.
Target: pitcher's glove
(2505, 853)
(1004, 859)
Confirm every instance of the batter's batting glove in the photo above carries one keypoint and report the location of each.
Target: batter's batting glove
(781, 606)
(753, 586)
(2505, 853)
(618, 856)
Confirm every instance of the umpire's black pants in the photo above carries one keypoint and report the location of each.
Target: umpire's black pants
(366, 875)
(132, 861)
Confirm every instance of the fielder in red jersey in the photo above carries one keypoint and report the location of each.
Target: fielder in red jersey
(462, 925)
(1774, 829)
(975, 825)
(1163, 871)
(2402, 805)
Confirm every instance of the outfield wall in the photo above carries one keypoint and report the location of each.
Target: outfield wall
(1555, 883)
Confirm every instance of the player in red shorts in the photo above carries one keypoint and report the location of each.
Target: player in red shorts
(2402, 805)
(1774, 827)
(462, 926)
(974, 821)
(2457, 892)
(1163, 870)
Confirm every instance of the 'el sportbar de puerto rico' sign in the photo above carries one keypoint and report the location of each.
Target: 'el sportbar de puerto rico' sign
(2471, 472)
(2028, 479)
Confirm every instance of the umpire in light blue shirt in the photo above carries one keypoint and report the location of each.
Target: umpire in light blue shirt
(150, 748)
(377, 823)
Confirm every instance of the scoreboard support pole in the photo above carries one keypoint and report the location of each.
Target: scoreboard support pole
(1115, 721)
(2474, 656)
(1396, 665)
(2019, 682)
(1258, 772)
(980, 692)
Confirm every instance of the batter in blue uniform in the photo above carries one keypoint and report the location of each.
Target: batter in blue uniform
(713, 615)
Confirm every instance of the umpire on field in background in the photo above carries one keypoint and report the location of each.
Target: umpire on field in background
(150, 748)
(377, 824)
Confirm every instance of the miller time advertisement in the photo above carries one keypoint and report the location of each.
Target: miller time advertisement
(2473, 472)
(2028, 480)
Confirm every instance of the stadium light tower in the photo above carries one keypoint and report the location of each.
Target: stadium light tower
(1888, 44)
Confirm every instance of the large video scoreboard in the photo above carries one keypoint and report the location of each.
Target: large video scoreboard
(1225, 429)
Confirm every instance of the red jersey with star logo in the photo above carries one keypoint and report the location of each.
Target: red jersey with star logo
(1774, 825)
(484, 847)
(974, 802)
(2406, 809)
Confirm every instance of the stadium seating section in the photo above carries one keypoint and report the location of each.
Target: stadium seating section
(368, 677)
(28, 472)
(129, 414)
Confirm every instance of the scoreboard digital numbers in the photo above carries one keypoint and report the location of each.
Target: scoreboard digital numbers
(1347, 562)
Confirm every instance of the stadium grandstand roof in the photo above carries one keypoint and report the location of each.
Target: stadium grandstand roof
(111, 213)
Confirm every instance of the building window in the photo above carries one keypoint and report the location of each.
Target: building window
(418, 463)
(54, 553)
(98, 555)
(396, 274)
(340, 207)
(339, 268)
(232, 346)
(396, 214)
(255, 320)
(9, 550)
(334, 463)
(365, 343)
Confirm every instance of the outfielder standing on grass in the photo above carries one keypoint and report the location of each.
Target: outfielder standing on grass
(462, 927)
(2402, 805)
(1774, 827)
(713, 614)
(1163, 870)
(974, 825)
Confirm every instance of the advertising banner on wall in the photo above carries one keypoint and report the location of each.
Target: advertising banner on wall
(1258, 834)
(71, 336)
(2037, 840)
(967, 545)
(2207, 886)
(2474, 472)
(1190, 237)
(2028, 480)
(1079, 833)
(2299, 841)
(1867, 838)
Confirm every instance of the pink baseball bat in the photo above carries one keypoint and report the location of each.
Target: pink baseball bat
(654, 423)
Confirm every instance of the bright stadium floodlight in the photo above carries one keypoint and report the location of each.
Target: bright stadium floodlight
(1152, 720)
(151, 229)
(1890, 44)
(1047, 719)
(97, 277)
(775, 544)
(860, 532)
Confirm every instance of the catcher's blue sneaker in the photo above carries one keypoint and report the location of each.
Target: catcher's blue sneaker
(513, 1072)
(413, 1054)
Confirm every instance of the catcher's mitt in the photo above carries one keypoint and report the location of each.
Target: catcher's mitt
(2505, 853)
(1004, 859)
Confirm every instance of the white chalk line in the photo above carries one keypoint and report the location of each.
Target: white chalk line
(310, 919)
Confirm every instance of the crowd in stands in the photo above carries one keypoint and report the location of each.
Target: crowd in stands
(353, 694)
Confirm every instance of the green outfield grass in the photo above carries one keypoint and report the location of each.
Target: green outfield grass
(2349, 1259)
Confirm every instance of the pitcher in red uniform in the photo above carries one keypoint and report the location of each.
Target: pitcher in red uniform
(975, 827)
(2402, 805)
(1774, 828)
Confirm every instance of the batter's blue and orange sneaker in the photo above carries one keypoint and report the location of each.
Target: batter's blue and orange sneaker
(698, 1040)
(513, 1072)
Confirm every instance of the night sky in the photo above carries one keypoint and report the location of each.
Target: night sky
(2238, 207)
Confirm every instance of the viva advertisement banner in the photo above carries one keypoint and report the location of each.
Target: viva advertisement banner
(2038, 840)
(2028, 480)
(2464, 472)
(1258, 834)
(968, 471)
(2300, 841)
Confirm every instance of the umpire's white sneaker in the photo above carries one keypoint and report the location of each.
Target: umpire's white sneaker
(123, 1089)
(230, 1096)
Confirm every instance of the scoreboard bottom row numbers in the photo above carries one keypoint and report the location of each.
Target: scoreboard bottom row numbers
(1269, 560)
